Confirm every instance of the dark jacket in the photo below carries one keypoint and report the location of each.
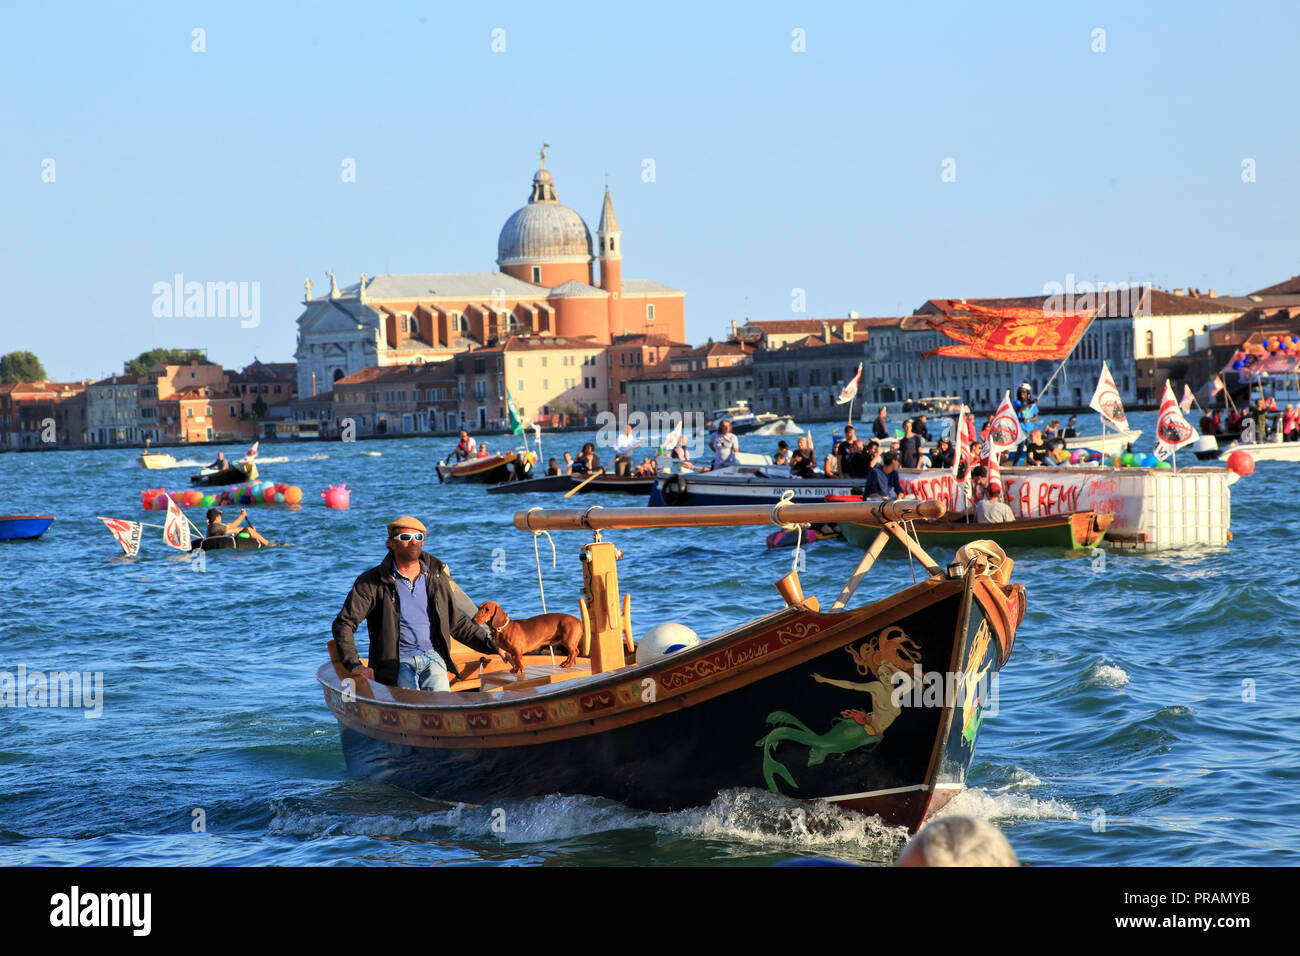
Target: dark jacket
(374, 598)
(879, 429)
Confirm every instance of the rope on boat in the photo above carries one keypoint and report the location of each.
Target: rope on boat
(786, 497)
(537, 557)
(910, 528)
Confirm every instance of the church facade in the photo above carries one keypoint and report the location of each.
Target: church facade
(550, 282)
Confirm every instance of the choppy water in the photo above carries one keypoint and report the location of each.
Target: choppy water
(1125, 731)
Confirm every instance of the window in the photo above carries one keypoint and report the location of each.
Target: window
(543, 361)
(519, 363)
(537, 275)
(1191, 341)
(406, 324)
(649, 313)
(520, 386)
(480, 389)
(544, 385)
(1151, 342)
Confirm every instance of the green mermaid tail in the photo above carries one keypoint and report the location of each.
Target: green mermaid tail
(844, 735)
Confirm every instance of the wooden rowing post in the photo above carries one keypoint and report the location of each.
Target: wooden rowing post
(600, 594)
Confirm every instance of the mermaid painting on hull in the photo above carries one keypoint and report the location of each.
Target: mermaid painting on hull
(883, 655)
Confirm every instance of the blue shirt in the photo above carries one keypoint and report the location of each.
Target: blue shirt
(884, 485)
(413, 636)
(1027, 412)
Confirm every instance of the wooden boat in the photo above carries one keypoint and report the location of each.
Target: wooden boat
(489, 470)
(797, 700)
(622, 484)
(24, 527)
(156, 460)
(1070, 532)
(232, 475)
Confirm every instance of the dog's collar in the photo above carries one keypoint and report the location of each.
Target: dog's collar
(493, 629)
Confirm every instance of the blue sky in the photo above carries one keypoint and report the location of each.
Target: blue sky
(774, 170)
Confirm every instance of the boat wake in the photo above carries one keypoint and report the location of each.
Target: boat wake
(751, 817)
(1005, 805)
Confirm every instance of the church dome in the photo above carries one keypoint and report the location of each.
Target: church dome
(543, 229)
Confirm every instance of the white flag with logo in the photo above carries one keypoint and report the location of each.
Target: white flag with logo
(1173, 431)
(1106, 401)
(1186, 403)
(851, 389)
(1005, 432)
(176, 530)
(252, 451)
(127, 533)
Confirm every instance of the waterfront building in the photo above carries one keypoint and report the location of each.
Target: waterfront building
(113, 410)
(546, 376)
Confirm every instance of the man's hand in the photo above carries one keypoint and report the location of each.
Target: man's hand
(361, 671)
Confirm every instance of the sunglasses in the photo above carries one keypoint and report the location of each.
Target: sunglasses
(409, 536)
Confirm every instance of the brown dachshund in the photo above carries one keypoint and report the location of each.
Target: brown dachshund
(517, 638)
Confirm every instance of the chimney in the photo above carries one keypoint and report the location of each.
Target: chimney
(1212, 294)
(826, 331)
(848, 327)
(735, 329)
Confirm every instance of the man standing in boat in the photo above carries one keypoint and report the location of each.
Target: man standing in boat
(412, 609)
(724, 445)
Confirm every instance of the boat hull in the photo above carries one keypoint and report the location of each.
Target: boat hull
(1260, 451)
(727, 713)
(562, 483)
(489, 470)
(233, 475)
(1069, 532)
(157, 462)
(24, 527)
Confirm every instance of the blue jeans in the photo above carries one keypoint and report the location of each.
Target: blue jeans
(427, 671)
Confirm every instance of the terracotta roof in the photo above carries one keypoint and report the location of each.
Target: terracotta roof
(1290, 287)
(811, 340)
(796, 326)
(377, 374)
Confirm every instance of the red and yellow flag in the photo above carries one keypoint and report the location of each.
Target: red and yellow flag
(1008, 334)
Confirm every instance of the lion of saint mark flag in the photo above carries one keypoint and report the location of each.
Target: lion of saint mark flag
(1004, 334)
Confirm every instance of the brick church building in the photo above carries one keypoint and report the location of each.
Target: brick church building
(550, 282)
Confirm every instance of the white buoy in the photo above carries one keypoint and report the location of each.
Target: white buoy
(664, 639)
(1206, 443)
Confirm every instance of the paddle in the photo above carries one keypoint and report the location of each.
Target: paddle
(596, 474)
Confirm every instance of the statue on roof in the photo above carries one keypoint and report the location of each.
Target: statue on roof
(334, 287)
(308, 284)
(361, 289)
(542, 153)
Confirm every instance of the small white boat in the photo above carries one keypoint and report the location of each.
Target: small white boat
(156, 460)
(1264, 451)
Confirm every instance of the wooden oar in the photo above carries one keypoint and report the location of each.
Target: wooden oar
(596, 474)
